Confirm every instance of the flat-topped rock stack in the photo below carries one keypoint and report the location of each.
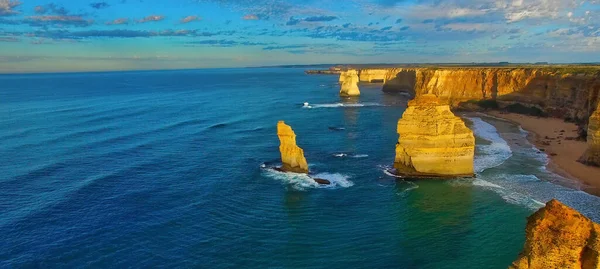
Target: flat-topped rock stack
(433, 142)
(349, 83)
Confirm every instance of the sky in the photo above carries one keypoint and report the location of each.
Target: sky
(101, 35)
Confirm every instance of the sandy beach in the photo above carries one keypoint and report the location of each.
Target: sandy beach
(556, 138)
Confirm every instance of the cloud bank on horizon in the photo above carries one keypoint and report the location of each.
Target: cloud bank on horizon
(64, 35)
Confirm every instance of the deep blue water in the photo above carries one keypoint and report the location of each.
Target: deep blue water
(163, 169)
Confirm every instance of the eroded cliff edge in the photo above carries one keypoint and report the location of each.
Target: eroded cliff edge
(592, 153)
(558, 236)
(433, 142)
(292, 156)
(569, 93)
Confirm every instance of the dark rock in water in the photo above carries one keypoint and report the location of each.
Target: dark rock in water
(332, 128)
(322, 181)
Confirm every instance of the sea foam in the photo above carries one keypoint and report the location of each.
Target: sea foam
(493, 154)
(303, 181)
(340, 105)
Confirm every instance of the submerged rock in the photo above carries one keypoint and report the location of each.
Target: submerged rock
(433, 142)
(592, 155)
(292, 156)
(558, 236)
(349, 81)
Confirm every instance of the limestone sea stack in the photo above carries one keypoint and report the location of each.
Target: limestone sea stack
(349, 81)
(558, 236)
(292, 156)
(592, 155)
(433, 142)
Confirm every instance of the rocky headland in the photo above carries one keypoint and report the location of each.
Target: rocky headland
(349, 83)
(558, 236)
(292, 156)
(592, 154)
(433, 142)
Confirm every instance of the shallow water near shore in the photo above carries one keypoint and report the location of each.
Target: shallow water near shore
(163, 169)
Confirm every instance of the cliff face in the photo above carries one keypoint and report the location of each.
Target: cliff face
(349, 81)
(592, 154)
(559, 237)
(292, 156)
(433, 141)
(557, 92)
(372, 75)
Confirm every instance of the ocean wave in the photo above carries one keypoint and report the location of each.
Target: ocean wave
(343, 155)
(510, 195)
(303, 181)
(494, 154)
(340, 105)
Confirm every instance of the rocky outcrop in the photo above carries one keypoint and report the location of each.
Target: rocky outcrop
(349, 81)
(372, 75)
(292, 156)
(564, 92)
(433, 142)
(592, 154)
(557, 236)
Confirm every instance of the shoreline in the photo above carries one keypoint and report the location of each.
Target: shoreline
(555, 137)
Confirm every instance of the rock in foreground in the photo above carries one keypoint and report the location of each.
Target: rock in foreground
(349, 81)
(292, 156)
(433, 142)
(558, 236)
(592, 154)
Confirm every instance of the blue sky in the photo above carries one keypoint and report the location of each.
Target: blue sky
(81, 35)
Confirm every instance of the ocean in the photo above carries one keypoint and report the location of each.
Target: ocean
(164, 169)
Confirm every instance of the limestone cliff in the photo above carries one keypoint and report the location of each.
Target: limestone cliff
(561, 92)
(433, 141)
(559, 237)
(372, 75)
(349, 81)
(592, 154)
(292, 156)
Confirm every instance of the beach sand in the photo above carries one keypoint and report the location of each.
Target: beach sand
(550, 134)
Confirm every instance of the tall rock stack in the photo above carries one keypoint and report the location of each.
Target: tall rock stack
(349, 81)
(557, 236)
(433, 142)
(292, 156)
(592, 155)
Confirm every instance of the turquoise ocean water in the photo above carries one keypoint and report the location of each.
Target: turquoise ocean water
(163, 169)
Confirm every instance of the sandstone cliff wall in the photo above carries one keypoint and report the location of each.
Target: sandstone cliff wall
(559, 237)
(558, 92)
(592, 154)
(372, 75)
(349, 81)
(292, 156)
(433, 141)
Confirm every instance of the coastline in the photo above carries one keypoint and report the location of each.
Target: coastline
(555, 137)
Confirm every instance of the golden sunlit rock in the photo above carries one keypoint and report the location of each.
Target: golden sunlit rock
(349, 83)
(558, 236)
(433, 141)
(292, 156)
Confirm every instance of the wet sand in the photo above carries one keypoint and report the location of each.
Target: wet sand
(556, 138)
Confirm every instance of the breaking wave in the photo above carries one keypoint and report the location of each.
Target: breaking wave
(303, 182)
(338, 105)
(489, 155)
(344, 155)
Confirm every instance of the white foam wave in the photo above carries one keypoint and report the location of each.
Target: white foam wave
(343, 155)
(494, 154)
(342, 105)
(509, 195)
(304, 181)
(413, 186)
